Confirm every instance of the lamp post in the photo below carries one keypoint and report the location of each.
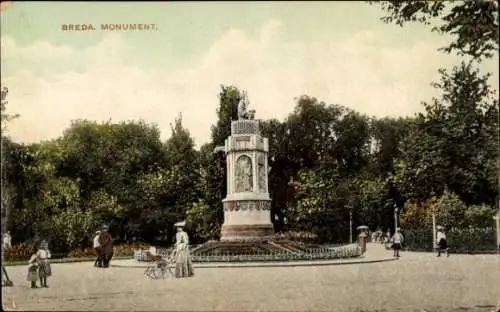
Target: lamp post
(395, 217)
(350, 222)
(434, 244)
(498, 173)
(497, 223)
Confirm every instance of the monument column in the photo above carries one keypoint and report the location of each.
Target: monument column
(247, 204)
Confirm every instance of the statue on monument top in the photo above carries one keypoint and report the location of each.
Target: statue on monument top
(243, 113)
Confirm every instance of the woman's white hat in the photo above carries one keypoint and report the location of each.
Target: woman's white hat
(180, 224)
(439, 227)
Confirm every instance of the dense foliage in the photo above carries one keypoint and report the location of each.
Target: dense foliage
(323, 158)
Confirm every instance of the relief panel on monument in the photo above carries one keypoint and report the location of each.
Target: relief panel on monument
(262, 175)
(243, 174)
(247, 205)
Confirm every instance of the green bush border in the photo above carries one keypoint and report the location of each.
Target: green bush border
(460, 241)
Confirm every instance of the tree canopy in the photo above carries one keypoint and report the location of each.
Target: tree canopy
(326, 160)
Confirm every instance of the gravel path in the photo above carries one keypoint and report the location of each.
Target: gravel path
(416, 282)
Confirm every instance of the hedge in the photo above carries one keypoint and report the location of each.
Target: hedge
(469, 240)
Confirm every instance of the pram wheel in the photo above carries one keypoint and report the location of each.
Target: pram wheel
(160, 269)
(154, 272)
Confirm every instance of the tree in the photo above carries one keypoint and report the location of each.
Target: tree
(111, 157)
(453, 144)
(4, 115)
(213, 165)
(474, 24)
(8, 191)
(463, 126)
(229, 98)
(387, 135)
(199, 219)
(182, 155)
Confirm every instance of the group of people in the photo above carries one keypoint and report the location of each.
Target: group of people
(397, 241)
(39, 266)
(103, 246)
(182, 256)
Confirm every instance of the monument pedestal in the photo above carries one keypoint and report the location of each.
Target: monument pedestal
(246, 219)
(247, 207)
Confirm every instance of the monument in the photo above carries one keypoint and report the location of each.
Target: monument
(246, 234)
(247, 206)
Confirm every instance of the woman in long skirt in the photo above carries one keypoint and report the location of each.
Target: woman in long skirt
(44, 271)
(183, 264)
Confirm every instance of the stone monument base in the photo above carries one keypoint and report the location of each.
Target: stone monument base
(247, 232)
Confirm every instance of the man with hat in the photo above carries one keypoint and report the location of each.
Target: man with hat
(183, 264)
(106, 246)
(442, 243)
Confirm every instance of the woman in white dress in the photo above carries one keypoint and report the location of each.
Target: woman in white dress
(183, 264)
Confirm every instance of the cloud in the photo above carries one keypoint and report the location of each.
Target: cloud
(101, 82)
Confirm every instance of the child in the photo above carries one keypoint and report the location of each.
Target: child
(33, 271)
(44, 270)
(397, 241)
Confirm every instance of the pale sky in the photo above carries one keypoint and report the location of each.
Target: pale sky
(338, 52)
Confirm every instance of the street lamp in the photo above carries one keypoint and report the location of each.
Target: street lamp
(395, 217)
(498, 173)
(350, 222)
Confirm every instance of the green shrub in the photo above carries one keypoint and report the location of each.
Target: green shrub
(460, 240)
(119, 250)
(82, 253)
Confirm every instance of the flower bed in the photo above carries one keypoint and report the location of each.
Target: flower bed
(277, 254)
(19, 252)
(22, 252)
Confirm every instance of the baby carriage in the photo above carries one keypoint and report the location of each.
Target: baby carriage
(160, 265)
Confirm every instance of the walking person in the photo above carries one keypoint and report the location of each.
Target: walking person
(6, 241)
(97, 249)
(397, 241)
(183, 264)
(44, 270)
(442, 243)
(6, 244)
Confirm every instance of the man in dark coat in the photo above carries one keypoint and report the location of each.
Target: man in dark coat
(106, 247)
